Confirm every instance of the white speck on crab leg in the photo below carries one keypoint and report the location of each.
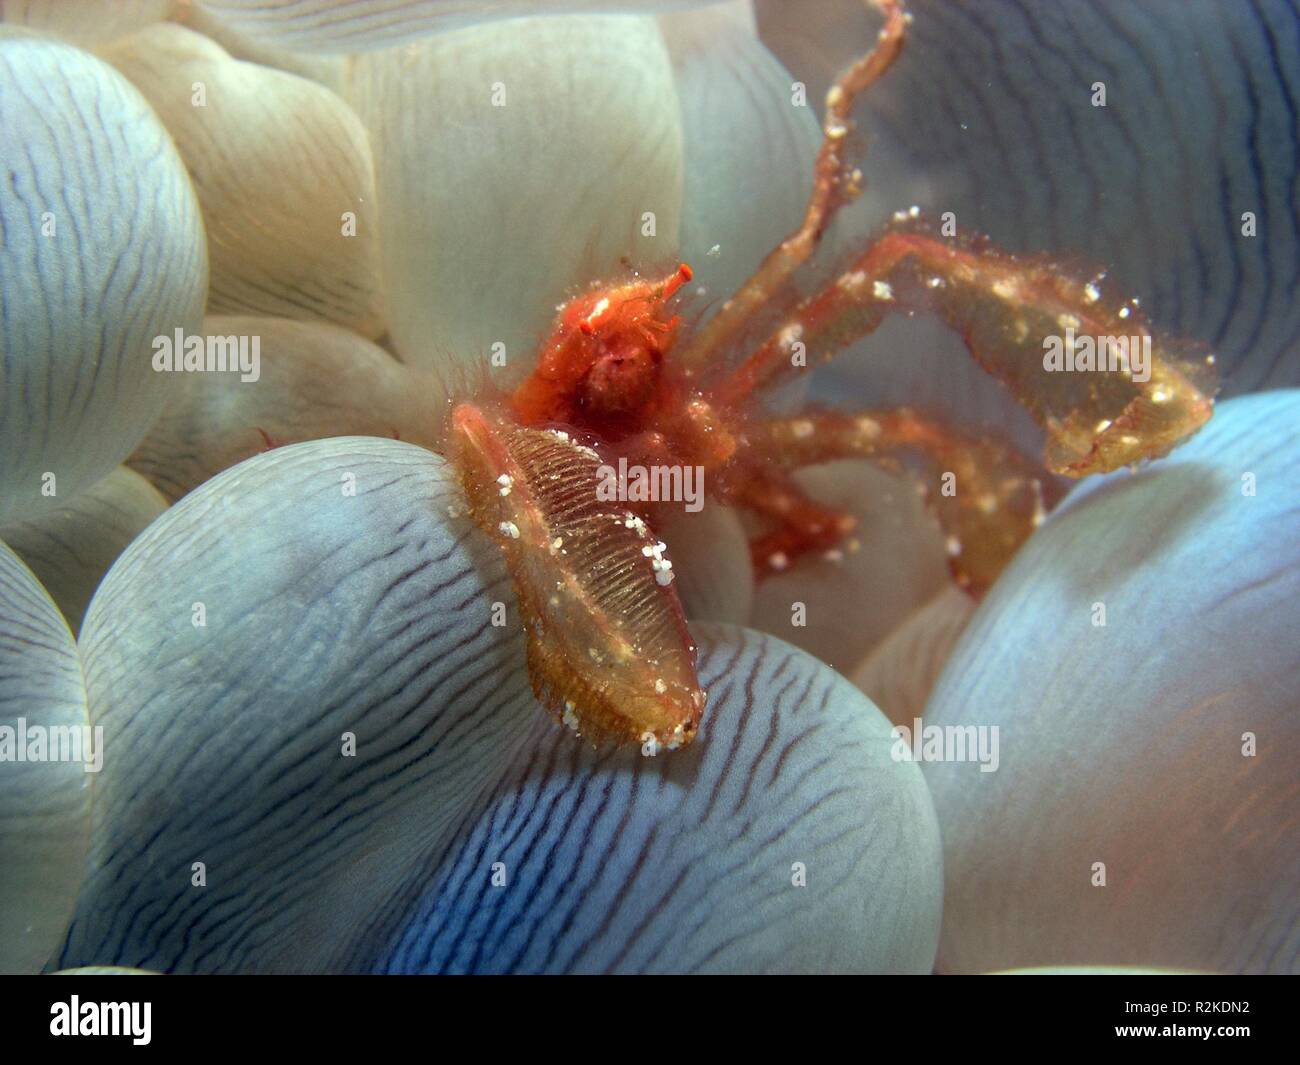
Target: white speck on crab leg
(852, 281)
(663, 569)
(510, 529)
(790, 335)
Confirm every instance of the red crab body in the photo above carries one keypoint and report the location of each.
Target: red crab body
(601, 366)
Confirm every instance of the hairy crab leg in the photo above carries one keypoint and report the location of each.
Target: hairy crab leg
(1013, 314)
(835, 183)
(986, 496)
(608, 649)
(802, 525)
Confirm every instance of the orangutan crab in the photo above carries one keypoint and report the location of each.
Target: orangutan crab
(618, 377)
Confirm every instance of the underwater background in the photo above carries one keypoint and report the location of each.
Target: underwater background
(291, 653)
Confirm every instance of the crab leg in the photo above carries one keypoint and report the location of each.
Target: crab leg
(801, 524)
(1015, 315)
(608, 648)
(986, 496)
(835, 184)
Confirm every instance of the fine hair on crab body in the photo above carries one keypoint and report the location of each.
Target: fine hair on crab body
(621, 376)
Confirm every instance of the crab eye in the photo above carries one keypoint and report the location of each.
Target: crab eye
(588, 325)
